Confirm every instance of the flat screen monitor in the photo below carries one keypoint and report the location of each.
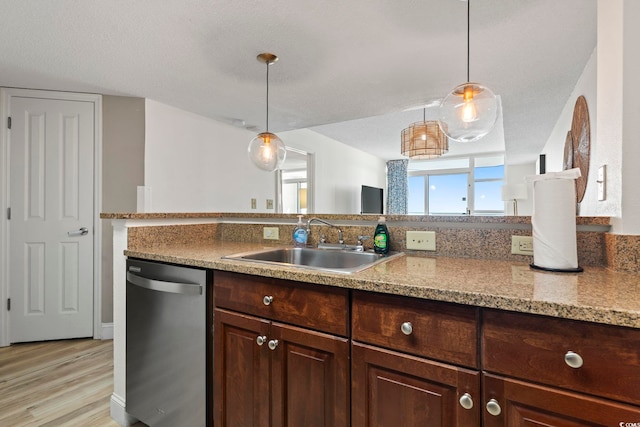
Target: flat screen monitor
(371, 200)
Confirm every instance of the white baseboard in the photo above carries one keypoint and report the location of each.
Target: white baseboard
(107, 331)
(118, 413)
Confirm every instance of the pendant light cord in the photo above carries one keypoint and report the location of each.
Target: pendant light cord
(267, 95)
(468, 38)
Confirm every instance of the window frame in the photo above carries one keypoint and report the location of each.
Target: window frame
(470, 171)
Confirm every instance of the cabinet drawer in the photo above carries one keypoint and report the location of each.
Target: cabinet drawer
(441, 331)
(318, 307)
(535, 347)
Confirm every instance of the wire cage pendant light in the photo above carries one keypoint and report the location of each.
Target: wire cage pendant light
(423, 140)
(266, 150)
(470, 110)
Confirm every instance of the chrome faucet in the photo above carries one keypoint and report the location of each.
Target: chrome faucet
(340, 237)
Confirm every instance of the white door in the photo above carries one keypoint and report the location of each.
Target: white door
(51, 145)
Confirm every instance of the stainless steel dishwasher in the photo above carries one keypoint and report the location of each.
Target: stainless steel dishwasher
(168, 355)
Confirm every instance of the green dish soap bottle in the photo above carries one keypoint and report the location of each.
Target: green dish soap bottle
(381, 237)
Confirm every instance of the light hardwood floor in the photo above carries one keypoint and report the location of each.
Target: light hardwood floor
(57, 383)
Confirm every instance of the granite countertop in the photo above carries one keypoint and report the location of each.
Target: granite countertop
(596, 295)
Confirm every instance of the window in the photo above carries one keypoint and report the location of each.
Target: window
(458, 186)
(294, 191)
(294, 183)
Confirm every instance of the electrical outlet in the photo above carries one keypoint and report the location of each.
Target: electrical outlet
(522, 245)
(269, 203)
(253, 203)
(271, 233)
(421, 240)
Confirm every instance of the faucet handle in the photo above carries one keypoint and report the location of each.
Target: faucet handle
(362, 239)
(323, 239)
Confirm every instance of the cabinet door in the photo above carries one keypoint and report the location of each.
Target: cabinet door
(523, 404)
(241, 371)
(392, 389)
(310, 378)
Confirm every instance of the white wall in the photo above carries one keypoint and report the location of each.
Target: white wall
(341, 170)
(196, 164)
(601, 153)
(122, 172)
(628, 220)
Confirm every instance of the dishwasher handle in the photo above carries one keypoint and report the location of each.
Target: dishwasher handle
(162, 286)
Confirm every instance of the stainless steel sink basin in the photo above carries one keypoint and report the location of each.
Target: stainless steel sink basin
(337, 261)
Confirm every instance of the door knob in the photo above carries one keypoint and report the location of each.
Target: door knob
(261, 339)
(273, 344)
(493, 407)
(573, 359)
(80, 232)
(466, 401)
(267, 300)
(406, 328)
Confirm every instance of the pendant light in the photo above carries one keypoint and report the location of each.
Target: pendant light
(266, 150)
(423, 140)
(470, 110)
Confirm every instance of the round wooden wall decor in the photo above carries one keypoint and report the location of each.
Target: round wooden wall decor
(581, 137)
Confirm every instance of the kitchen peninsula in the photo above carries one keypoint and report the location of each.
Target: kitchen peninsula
(497, 308)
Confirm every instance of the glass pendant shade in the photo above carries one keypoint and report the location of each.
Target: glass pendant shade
(423, 140)
(267, 151)
(468, 112)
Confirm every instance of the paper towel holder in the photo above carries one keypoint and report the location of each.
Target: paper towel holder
(557, 270)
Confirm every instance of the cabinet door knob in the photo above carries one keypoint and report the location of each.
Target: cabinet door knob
(267, 300)
(493, 407)
(273, 344)
(406, 328)
(466, 401)
(573, 359)
(261, 339)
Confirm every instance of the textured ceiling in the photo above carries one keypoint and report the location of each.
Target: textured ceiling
(340, 61)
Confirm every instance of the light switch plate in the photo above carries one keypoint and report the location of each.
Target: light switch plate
(522, 245)
(602, 183)
(271, 233)
(421, 240)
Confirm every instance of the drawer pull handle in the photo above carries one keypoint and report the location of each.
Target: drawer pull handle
(466, 401)
(261, 339)
(493, 407)
(406, 328)
(267, 300)
(273, 344)
(573, 359)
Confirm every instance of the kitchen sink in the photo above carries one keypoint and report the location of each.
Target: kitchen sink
(337, 261)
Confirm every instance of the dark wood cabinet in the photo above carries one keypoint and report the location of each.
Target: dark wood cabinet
(398, 374)
(522, 404)
(392, 389)
(605, 359)
(558, 372)
(275, 374)
(241, 386)
(436, 330)
(295, 354)
(309, 378)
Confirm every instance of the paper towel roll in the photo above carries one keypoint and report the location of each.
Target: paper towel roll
(554, 220)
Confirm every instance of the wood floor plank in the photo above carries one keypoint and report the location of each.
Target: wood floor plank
(57, 383)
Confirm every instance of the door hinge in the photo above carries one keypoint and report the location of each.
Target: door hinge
(8, 213)
(9, 122)
(8, 304)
